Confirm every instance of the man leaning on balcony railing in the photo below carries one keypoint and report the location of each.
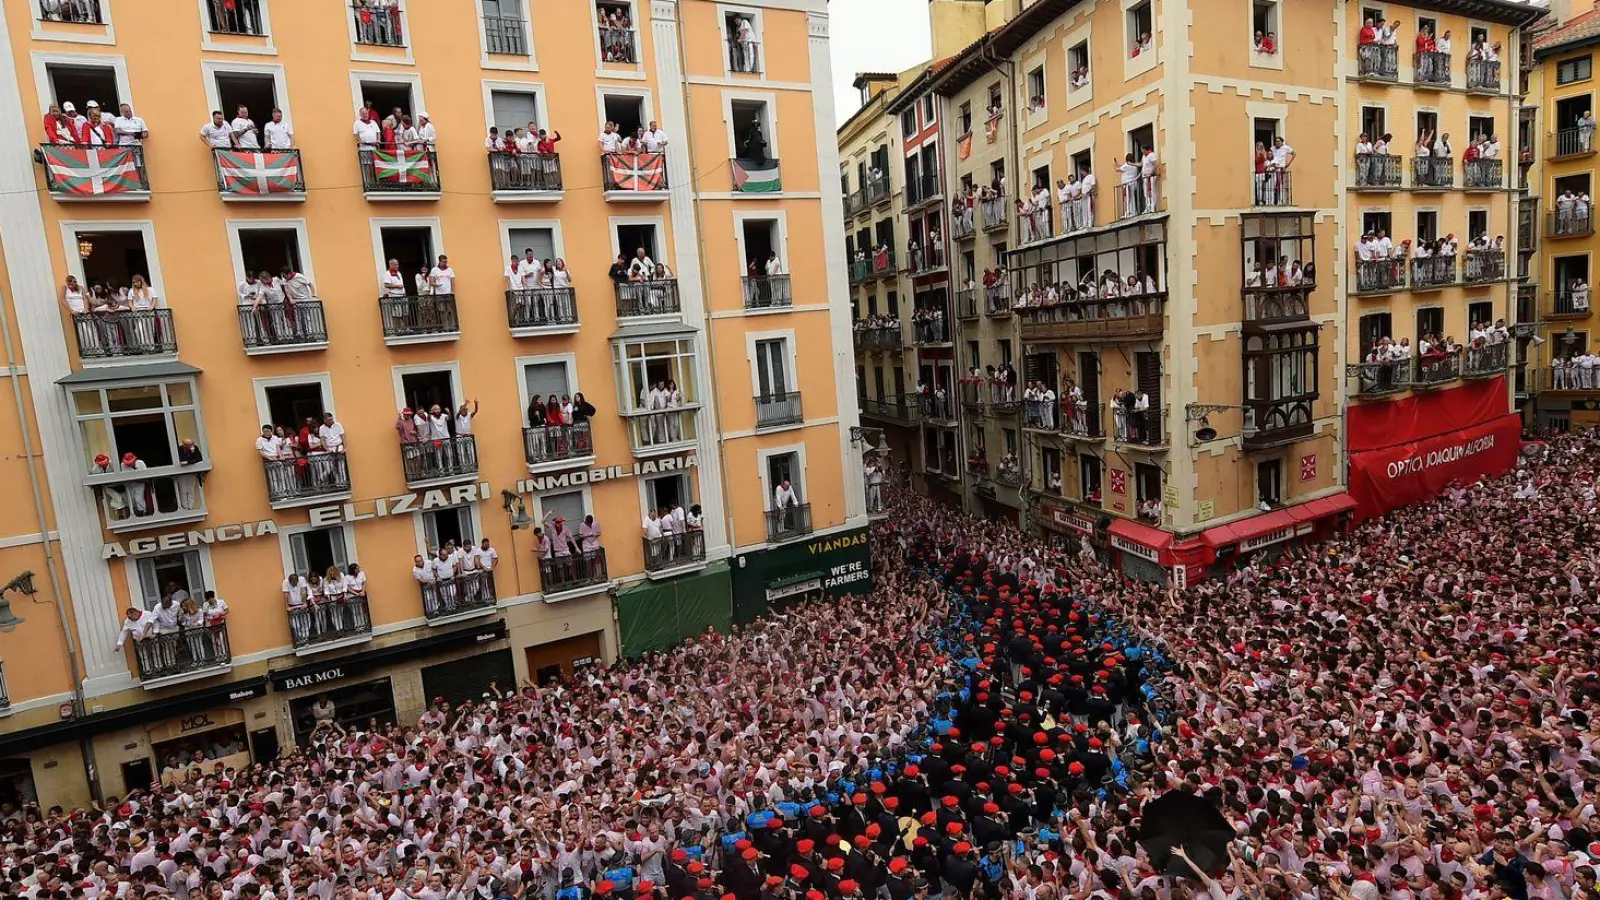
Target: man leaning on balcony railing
(1573, 210)
(525, 156)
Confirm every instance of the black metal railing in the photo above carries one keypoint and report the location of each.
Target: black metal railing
(542, 307)
(403, 170)
(788, 522)
(1570, 220)
(634, 171)
(130, 332)
(1278, 420)
(1438, 368)
(1489, 359)
(250, 173)
(1484, 265)
(619, 45)
(378, 24)
(1433, 271)
(744, 56)
(1483, 75)
(465, 593)
(181, 652)
(1380, 275)
(767, 292)
(286, 324)
(1378, 61)
(78, 180)
(889, 406)
(886, 337)
(1141, 427)
(883, 264)
(1430, 67)
(1378, 170)
(967, 303)
(420, 315)
(524, 171)
(450, 457)
(1009, 476)
(1274, 306)
(962, 225)
(671, 551)
(930, 331)
(932, 406)
(329, 621)
(555, 443)
(505, 35)
(1484, 173)
(1274, 187)
(925, 259)
(1371, 379)
(236, 17)
(876, 191)
(307, 477)
(997, 299)
(1571, 142)
(1433, 172)
(559, 574)
(774, 410)
(1570, 302)
(1140, 196)
(81, 12)
(994, 213)
(647, 298)
(973, 396)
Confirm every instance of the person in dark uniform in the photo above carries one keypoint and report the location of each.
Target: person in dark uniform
(961, 869)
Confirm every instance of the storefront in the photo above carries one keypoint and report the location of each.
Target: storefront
(554, 660)
(1071, 529)
(656, 615)
(1141, 552)
(542, 634)
(1269, 535)
(1408, 450)
(469, 678)
(831, 565)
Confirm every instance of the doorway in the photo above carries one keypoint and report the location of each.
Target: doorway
(632, 238)
(256, 92)
(137, 775)
(422, 390)
(269, 250)
(549, 663)
(114, 258)
(627, 112)
(291, 405)
(387, 97)
(412, 248)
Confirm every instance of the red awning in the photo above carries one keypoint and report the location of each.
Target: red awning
(1286, 519)
(1149, 543)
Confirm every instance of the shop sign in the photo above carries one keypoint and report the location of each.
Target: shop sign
(1068, 519)
(332, 673)
(301, 677)
(1139, 550)
(1169, 495)
(1274, 537)
(564, 480)
(1180, 577)
(1205, 510)
(182, 540)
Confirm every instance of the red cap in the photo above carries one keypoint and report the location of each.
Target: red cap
(1075, 768)
(695, 868)
(817, 812)
(749, 854)
(991, 808)
(835, 863)
(898, 865)
(848, 886)
(950, 800)
(679, 856)
(891, 802)
(798, 871)
(862, 842)
(874, 830)
(858, 798)
(963, 848)
(805, 845)
(953, 827)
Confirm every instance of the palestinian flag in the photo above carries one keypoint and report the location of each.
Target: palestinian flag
(404, 166)
(636, 170)
(93, 171)
(756, 176)
(259, 174)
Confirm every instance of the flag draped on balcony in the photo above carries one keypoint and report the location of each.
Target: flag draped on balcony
(632, 170)
(93, 171)
(751, 176)
(403, 165)
(259, 174)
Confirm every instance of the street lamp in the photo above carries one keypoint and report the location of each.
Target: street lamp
(22, 584)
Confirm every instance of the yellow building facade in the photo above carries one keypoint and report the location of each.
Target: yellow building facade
(138, 397)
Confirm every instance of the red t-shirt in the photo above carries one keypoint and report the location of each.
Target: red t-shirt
(1369, 34)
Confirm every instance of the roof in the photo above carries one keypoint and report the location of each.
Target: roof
(1577, 31)
(864, 77)
(131, 372)
(913, 89)
(640, 330)
(1505, 12)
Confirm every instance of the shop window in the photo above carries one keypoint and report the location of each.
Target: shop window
(180, 758)
(358, 707)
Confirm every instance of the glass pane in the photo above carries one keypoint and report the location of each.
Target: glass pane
(96, 440)
(124, 399)
(186, 426)
(179, 393)
(87, 403)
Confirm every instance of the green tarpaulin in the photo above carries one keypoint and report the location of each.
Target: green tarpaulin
(657, 615)
(833, 564)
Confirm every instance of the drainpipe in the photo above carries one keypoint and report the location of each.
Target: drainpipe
(1025, 494)
(52, 566)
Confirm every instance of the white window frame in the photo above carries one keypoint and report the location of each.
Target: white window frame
(286, 553)
(378, 223)
(266, 48)
(723, 11)
(692, 473)
(740, 217)
(767, 487)
(660, 222)
(512, 62)
(65, 36)
(145, 227)
(419, 103)
(396, 374)
(557, 241)
(42, 62)
(534, 88)
(603, 69)
(1133, 66)
(420, 533)
(360, 53)
(258, 386)
(130, 571)
(646, 95)
(1265, 60)
(588, 504)
(791, 364)
(236, 250)
(769, 124)
(210, 69)
(521, 363)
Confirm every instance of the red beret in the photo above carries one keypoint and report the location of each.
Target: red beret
(891, 802)
(950, 800)
(749, 853)
(898, 865)
(858, 798)
(695, 868)
(604, 887)
(874, 830)
(963, 848)
(991, 808)
(817, 812)
(1047, 754)
(848, 886)
(953, 828)
(798, 871)
(835, 863)
(862, 842)
(928, 818)
(1075, 768)
(805, 845)
(912, 771)
(679, 856)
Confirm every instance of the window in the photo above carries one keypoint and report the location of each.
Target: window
(1146, 483)
(1570, 109)
(1050, 463)
(502, 27)
(1141, 139)
(1481, 126)
(744, 42)
(908, 122)
(77, 84)
(1374, 328)
(169, 573)
(996, 97)
(1477, 223)
(248, 95)
(269, 250)
(427, 389)
(1430, 320)
(1036, 88)
(115, 257)
(411, 247)
(452, 524)
(1141, 30)
(1375, 222)
(294, 405)
(1280, 366)
(783, 467)
(617, 33)
(1428, 25)
(1041, 178)
(542, 241)
(966, 118)
(388, 96)
(1264, 21)
(1269, 482)
(1580, 68)
(1374, 13)
(1478, 35)
(1078, 65)
(568, 505)
(974, 355)
(1480, 312)
(543, 380)
(1082, 163)
(663, 492)
(648, 364)
(1373, 122)
(772, 367)
(147, 420)
(316, 550)
(235, 17)
(1577, 184)
(1089, 477)
(514, 109)
(1427, 226)
(753, 134)
(1265, 130)
(626, 111)
(1569, 270)
(1009, 439)
(929, 109)
(1427, 121)
(1004, 346)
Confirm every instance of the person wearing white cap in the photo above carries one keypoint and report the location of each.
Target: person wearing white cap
(426, 134)
(98, 127)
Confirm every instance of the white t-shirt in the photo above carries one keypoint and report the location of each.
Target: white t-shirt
(610, 142)
(366, 132)
(487, 558)
(332, 437)
(296, 594)
(217, 135)
(279, 135)
(655, 141)
(442, 280)
(128, 129)
(245, 130)
(267, 447)
(464, 423)
(393, 283)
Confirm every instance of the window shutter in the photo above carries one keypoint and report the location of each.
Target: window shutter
(464, 518)
(195, 574)
(341, 551)
(299, 558)
(430, 529)
(148, 585)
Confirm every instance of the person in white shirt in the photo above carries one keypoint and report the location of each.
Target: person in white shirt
(1148, 165)
(464, 418)
(129, 128)
(442, 278)
(366, 129)
(216, 134)
(331, 433)
(279, 135)
(1129, 170)
(245, 136)
(785, 499)
(610, 140)
(655, 140)
(487, 556)
(391, 282)
(296, 597)
(426, 134)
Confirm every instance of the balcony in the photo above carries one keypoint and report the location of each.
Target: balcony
(1144, 428)
(143, 503)
(1484, 174)
(789, 522)
(440, 460)
(460, 597)
(1376, 379)
(1008, 475)
(876, 191)
(1436, 369)
(652, 432)
(967, 303)
(922, 189)
(1433, 173)
(291, 327)
(1272, 423)
(962, 227)
(768, 292)
(1433, 272)
(1268, 307)
(1139, 197)
(330, 624)
(565, 575)
(377, 26)
(647, 298)
(994, 214)
(525, 177)
(540, 311)
(997, 300)
(1483, 75)
(978, 468)
(1568, 143)
(259, 175)
(401, 173)
(619, 45)
(555, 446)
(756, 175)
(1568, 304)
(236, 17)
(505, 35)
(1487, 360)
(1430, 69)
(183, 655)
(1378, 172)
(883, 264)
(778, 410)
(973, 395)
(1003, 398)
(1484, 265)
(77, 12)
(891, 407)
(1122, 318)
(1380, 276)
(124, 334)
(1527, 302)
(666, 554)
(419, 320)
(1273, 187)
(634, 176)
(881, 337)
(1569, 220)
(1378, 61)
(930, 330)
(860, 271)
(852, 205)
(923, 260)
(74, 174)
(936, 409)
(313, 478)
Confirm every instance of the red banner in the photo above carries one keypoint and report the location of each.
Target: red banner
(1374, 426)
(1415, 471)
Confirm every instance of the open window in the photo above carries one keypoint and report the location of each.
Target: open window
(247, 95)
(774, 378)
(1481, 127)
(1140, 31)
(1264, 25)
(619, 36)
(79, 83)
(1427, 225)
(997, 101)
(1078, 66)
(148, 420)
(786, 467)
(1376, 223)
(1374, 122)
(236, 17)
(112, 259)
(908, 122)
(411, 247)
(1141, 139)
(1269, 482)
(743, 31)
(1089, 469)
(626, 111)
(449, 525)
(294, 406)
(1477, 223)
(1265, 131)
(1050, 466)
(966, 118)
(388, 97)
(1480, 312)
(164, 575)
(269, 249)
(751, 121)
(1147, 490)
(316, 550)
(1036, 91)
(635, 237)
(424, 390)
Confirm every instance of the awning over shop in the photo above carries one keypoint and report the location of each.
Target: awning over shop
(1142, 541)
(1279, 525)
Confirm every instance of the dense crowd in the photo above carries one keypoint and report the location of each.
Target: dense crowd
(1402, 711)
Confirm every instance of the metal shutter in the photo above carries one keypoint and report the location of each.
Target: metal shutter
(469, 678)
